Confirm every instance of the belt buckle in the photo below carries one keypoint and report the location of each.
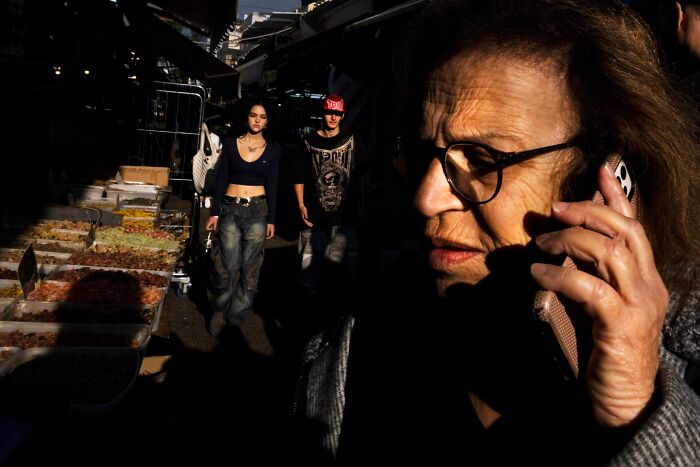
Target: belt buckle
(244, 201)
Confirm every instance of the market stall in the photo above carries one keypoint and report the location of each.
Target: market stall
(77, 335)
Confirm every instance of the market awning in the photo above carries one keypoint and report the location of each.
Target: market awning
(307, 33)
(275, 23)
(212, 16)
(251, 71)
(191, 58)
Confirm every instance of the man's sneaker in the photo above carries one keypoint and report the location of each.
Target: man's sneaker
(217, 323)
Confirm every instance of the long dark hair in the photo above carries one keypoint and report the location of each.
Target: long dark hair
(622, 97)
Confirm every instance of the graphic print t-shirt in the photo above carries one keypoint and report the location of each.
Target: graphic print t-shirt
(330, 173)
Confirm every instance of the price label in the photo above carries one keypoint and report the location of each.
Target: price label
(27, 271)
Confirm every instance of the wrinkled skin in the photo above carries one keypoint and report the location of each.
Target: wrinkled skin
(514, 105)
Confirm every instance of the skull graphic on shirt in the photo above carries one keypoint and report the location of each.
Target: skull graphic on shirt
(331, 173)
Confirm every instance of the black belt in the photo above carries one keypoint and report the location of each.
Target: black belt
(243, 201)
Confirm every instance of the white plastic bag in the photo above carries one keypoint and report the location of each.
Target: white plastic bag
(204, 162)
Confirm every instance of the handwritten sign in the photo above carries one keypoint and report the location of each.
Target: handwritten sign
(27, 271)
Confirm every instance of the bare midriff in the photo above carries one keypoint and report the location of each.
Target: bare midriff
(244, 191)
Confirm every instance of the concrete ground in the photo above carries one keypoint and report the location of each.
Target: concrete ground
(215, 400)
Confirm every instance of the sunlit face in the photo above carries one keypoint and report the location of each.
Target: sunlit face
(331, 120)
(257, 119)
(509, 104)
(691, 32)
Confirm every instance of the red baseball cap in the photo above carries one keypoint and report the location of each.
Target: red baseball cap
(335, 103)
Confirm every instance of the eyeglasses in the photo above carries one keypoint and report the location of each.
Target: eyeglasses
(475, 170)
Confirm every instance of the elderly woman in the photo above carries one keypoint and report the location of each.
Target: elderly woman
(520, 103)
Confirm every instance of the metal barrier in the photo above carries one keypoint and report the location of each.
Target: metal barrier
(169, 118)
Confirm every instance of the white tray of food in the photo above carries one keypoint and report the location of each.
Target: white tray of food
(11, 267)
(10, 289)
(118, 257)
(88, 380)
(42, 245)
(72, 267)
(103, 204)
(5, 303)
(42, 268)
(92, 294)
(8, 355)
(30, 311)
(136, 188)
(27, 335)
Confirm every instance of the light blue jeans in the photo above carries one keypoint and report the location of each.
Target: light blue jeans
(242, 230)
(329, 260)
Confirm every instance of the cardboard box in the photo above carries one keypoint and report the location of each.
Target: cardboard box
(151, 175)
(154, 365)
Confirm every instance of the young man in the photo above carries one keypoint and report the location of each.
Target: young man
(329, 191)
(676, 25)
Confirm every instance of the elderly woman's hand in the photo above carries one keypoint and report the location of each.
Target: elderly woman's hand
(627, 300)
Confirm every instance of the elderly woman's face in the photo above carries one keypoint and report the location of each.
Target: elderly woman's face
(511, 105)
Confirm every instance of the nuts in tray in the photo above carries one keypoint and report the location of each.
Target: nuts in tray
(135, 213)
(53, 247)
(67, 225)
(13, 256)
(101, 291)
(117, 236)
(140, 202)
(65, 338)
(86, 275)
(149, 232)
(124, 257)
(8, 274)
(82, 314)
(11, 292)
(5, 354)
(48, 233)
(143, 224)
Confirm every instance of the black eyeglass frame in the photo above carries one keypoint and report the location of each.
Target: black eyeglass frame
(503, 159)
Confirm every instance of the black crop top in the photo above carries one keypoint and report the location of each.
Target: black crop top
(263, 172)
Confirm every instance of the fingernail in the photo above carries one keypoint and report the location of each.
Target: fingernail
(609, 171)
(538, 269)
(559, 206)
(540, 239)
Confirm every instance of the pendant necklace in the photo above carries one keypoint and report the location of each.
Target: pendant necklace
(254, 148)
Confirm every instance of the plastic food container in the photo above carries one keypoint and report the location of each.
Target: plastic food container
(30, 311)
(42, 268)
(89, 380)
(44, 246)
(8, 356)
(5, 303)
(10, 284)
(103, 204)
(69, 267)
(38, 254)
(8, 265)
(74, 335)
(134, 189)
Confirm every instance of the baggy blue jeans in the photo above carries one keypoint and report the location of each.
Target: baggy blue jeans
(242, 230)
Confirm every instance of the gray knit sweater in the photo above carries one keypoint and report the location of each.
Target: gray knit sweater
(670, 436)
